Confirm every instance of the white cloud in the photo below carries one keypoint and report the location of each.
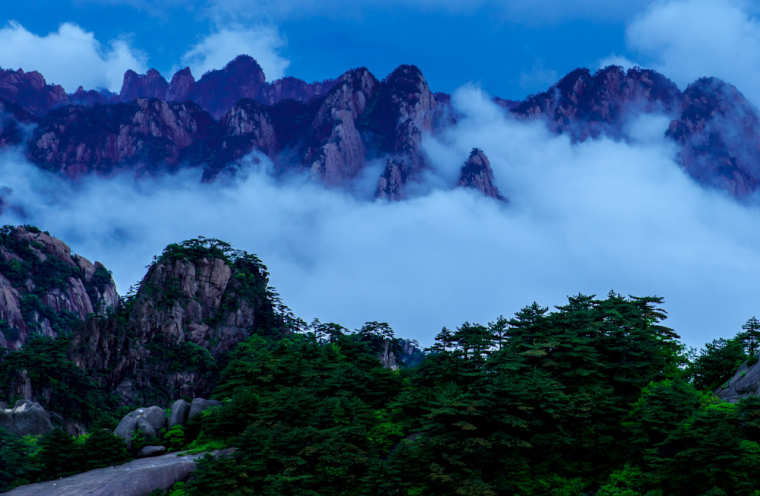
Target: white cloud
(689, 39)
(262, 43)
(520, 10)
(591, 217)
(69, 57)
(620, 60)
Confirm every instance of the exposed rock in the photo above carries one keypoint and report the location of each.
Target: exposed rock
(193, 306)
(179, 87)
(136, 478)
(148, 421)
(150, 85)
(478, 174)
(26, 418)
(718, 131)
(403, 110)
(336, 152)
(587, 106)
(44, 288)
(29, 91)
(76, 140)
(746, 382)
(179, 413)
(147, 451)
(217, 91)
(199, 405)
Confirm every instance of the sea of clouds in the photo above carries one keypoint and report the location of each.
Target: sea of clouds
(590, 217)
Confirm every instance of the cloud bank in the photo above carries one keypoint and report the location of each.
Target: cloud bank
(586, 218)
(689, 39)
(70, 56)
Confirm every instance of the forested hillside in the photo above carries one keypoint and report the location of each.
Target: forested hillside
(593, 397)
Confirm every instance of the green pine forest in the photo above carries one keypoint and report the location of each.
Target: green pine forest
(593, 397)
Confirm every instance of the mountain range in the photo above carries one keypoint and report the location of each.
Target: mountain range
(333, 129)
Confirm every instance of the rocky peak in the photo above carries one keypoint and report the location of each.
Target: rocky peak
(44, 288)
(249, 121)
(30, 91)
(180, 86)
(717, 131)
(335, 151)
(150, 85)
(197, 301)
(587, 106)
(293, 89)
(217, 91)
(478, 174)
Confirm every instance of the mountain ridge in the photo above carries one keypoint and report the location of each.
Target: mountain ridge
(333, 129)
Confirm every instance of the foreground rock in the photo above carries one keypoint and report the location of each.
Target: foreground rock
(148, 421)
(136, 478)
(746, 382)
(26, 418)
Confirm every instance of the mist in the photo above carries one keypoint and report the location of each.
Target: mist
(590, 218)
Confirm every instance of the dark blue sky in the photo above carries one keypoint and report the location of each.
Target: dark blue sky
(507, 54)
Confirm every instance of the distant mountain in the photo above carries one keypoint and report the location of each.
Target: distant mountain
(332, 129)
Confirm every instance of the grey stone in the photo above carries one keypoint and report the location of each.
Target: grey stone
(146, 451)
(179, 413)
(146, 420)
(199, 405)
(26, 418)
(136, 478)
(746, 382)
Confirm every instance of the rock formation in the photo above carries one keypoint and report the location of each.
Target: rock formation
(25, 418)
(195, 304)
(478, 174)
(44, 288)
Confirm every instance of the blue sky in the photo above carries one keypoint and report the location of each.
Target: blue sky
(511, 48)
(509, 53)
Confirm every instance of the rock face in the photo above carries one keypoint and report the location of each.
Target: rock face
(76, 140)
(147, 421)
(26, 418)
(334, 128)
(477, 174)
(136, 478)
(746, 382)
(195, 304)
(45, 289)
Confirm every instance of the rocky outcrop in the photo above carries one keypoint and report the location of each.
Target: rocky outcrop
(25, 418)
(28, 90)
(588, 106)
(76, 140)
(402, 112)
(45, 289)
(744, 383)
(335, 152)
(150, 85)
(195, 304)
(718, 131)
(478, 174)
(136, 478)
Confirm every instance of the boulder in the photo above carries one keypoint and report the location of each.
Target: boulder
(179, 413)
(746, 382)
(147, 451)
(199, 405)
(149, 421)
(26, 418)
